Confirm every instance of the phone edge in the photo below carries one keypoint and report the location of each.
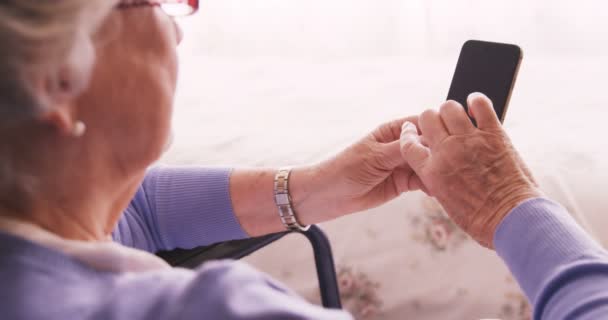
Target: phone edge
(515, 75)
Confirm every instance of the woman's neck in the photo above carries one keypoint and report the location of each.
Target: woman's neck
(66, 224)
(89, 215)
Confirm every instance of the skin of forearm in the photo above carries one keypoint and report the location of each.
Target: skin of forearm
(367, 174)
(252, 194)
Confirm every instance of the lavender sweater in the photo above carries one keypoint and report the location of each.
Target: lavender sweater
(563, 272)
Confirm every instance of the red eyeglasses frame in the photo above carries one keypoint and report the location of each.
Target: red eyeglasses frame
(192, 5)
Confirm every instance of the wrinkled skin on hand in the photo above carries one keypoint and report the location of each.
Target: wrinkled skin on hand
(367, 174)
(474, 173)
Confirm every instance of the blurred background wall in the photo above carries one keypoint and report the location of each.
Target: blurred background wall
(347, 28)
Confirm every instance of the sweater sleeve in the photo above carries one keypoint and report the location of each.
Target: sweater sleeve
(563, 272)
(227, 290)
(180, 207)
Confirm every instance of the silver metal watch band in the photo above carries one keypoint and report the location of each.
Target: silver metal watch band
(283, 201)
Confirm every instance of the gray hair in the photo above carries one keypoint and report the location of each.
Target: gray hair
(39, 38)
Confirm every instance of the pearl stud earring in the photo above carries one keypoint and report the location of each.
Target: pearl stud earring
(79, 129)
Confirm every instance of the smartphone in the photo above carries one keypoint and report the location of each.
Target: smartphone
(487, 67)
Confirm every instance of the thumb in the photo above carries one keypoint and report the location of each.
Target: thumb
(392, 155)
(481, 108)
(412, 149)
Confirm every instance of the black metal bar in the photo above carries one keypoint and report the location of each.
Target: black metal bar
(326, 270)
(237, 249)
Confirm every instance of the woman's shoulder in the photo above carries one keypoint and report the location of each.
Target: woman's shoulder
(42, 284)
(227, 289)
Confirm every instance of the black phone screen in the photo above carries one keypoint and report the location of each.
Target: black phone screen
(489, 68)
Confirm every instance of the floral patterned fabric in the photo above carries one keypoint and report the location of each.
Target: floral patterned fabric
(408, 260)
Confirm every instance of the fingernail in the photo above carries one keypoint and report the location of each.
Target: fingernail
(407, 126)
(406, 138)
(475, 95)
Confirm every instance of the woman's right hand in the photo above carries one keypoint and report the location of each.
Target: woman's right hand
(474, 173)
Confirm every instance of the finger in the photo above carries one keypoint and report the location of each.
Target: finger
(482, 111)
(412, 149)
(432, 127)
(401, 177)
(390, 131)
(415, 183)
(391, 152)
(406, 180)
(455, 118)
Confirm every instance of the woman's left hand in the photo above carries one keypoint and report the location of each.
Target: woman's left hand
(365, 175)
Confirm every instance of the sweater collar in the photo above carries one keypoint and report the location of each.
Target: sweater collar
(102, 256)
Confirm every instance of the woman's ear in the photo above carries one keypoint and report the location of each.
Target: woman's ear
(59, 92)
(63, 85)
(59, 117)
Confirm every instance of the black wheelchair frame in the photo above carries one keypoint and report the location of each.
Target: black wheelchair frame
(237, 249)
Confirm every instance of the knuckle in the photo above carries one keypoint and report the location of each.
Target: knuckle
(387, 131)
(379, 158)
(383, 126)
(407, 146)
(444, 109)
(426, 115)
(449, 106)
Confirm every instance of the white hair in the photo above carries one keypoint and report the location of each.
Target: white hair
(39, 39)
(43, 36)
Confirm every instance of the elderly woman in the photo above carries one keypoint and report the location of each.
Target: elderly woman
(85, 104)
